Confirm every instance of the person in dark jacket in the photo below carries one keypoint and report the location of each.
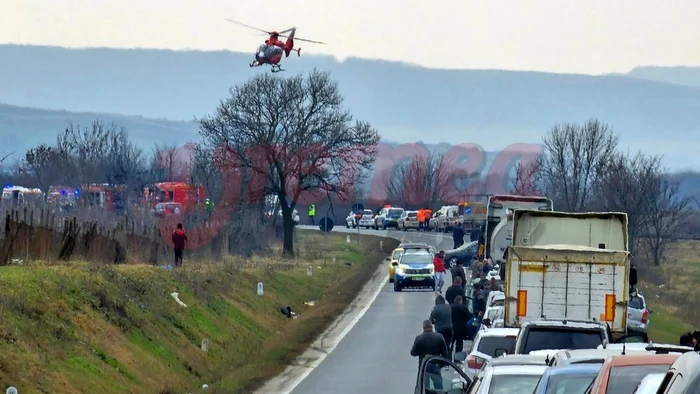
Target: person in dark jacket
(687, 340)
(458, 235)
(454, 291)
(458, 271)
(696, 341)
(479, 302)
(430, 343)
(441, 317)
(460, 317)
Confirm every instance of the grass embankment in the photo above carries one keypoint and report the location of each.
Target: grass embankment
(671, 293)
(116, 329)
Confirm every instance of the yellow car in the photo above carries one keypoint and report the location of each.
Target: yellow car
(394, 259)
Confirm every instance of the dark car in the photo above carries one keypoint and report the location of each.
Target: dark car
(464, 254)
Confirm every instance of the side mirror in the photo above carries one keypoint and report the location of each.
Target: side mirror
(486, 322)
(500, 352)
(460, 356)
(388, 259)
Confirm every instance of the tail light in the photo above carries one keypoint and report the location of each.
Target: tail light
(645, 317)
(474, 362)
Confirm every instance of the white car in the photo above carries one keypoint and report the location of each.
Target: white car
(496, 298)
(367, 219)
(352, 220)
(485, 346)
(650, 384)
(507, 379)
(496, 316)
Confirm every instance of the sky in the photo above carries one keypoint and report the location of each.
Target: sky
(566, 36)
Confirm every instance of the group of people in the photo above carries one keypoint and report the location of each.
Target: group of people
(451, 322)
(691, 340)
(424, 215)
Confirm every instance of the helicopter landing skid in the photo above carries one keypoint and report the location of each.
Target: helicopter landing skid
(276, 68)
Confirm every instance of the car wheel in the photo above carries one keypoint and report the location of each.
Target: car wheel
(383, 227)
(397, 286)
(391, 280)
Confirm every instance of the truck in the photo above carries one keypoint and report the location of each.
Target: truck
(497, 233)
(568, 267)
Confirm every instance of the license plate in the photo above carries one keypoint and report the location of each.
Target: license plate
(418, 278)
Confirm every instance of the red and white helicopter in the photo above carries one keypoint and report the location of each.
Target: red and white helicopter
(271, 51)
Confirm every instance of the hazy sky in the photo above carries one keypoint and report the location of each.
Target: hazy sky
(581, 36)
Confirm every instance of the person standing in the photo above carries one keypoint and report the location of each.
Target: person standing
(439, 265)
(458, 235)
(179, 242)
(458, 271)
(441, 317)
(430, 343)
(428, 215)
(460, 317)
(454, 291)
(421, 219)
(312, 213)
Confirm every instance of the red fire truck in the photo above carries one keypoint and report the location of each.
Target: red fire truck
(104, 195)
(186, 194)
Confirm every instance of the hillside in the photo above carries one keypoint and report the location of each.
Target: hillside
(688, 76)
(21, 128)
(407, 103)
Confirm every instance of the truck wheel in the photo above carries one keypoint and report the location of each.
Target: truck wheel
(397, 286)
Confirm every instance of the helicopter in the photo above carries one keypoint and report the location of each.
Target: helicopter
(271, 51)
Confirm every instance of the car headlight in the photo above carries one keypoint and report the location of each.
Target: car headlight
(432, 269)
(400, 271)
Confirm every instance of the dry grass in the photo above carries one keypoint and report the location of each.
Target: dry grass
(671, 292)
(81, 327)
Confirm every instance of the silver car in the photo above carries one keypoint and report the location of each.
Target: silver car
(637, 313)
(494, 379)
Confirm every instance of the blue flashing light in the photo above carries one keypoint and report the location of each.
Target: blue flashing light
(9, 186)
(76, 192)
(64, 192)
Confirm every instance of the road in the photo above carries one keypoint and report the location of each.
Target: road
(374, 355)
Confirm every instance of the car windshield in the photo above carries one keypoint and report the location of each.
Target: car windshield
(397, 254)
(367, 212)
(416, 258)
(552, 338)
(510, 384)
(636, 303)
(624, 380)
(395, 211)
(489, 345)
(570, 383)
(412, 214)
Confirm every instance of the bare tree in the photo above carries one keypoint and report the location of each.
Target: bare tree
(625, 184)
(571, 161)
(667, 210)
(291, 136)
(83, 151)
(525, 180)
(41, 164)
(204, 171)
(125, 163)
(172, 163)
(423, 180)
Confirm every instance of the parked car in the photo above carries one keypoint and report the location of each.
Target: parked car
(650, 384)
(414, 270)
(388, 217)
(637, 313)
(164, 209)
(408, 221)
(587, 356)
(464, 254)
(569, 379)
(506, 379)
(366, 219)
(622, 374)
(683, 377)
(486, 346)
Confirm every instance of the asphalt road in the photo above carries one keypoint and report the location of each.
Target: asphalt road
(375, 355)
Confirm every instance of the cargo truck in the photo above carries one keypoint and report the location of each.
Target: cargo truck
(568, 267)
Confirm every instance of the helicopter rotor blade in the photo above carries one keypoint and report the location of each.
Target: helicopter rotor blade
(303, 39)
(286, 31)
(248, 26)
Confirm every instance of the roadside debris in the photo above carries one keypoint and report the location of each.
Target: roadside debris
(288, 312)
(310, 303)
(176, 296)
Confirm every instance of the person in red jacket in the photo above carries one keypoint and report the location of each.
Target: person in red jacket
(439, 264)
(179, 242)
